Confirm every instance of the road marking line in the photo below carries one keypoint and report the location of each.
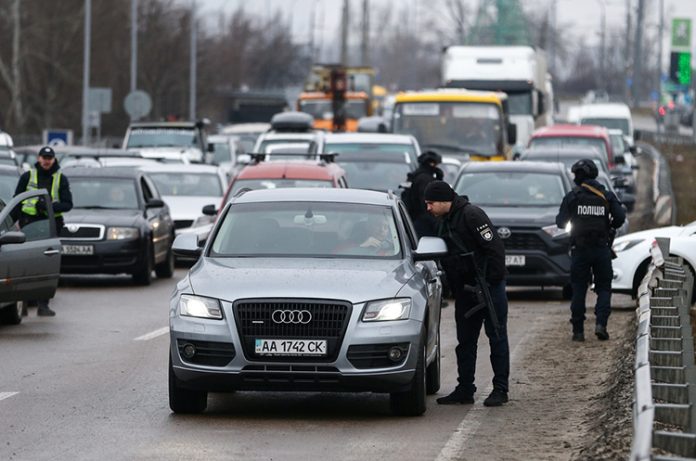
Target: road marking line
(470, 424)
(153, 334)
(7, 395)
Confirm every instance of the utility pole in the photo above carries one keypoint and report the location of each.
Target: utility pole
(602, 51)
(637, 53)
(660, 34)
(192, 79)
(551, 37)
(312, 27)
(85, 73)
(134, 45)
(345, 20)
(627, 50)
(364, 57)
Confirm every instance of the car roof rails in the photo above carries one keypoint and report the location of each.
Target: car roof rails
(257, 157)
(242, 191)
(328, 157)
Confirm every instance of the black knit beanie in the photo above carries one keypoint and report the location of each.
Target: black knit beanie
(438, 191)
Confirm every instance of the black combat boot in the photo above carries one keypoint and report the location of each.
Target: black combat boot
(496, 399)
(457, 397)
(601, 332)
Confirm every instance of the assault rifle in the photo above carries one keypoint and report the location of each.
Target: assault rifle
(480, 288)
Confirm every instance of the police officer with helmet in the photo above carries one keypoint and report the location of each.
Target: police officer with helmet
(45, 174)
(427, 172)
(594, 215)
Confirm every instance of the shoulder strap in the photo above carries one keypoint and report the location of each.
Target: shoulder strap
(595, 191)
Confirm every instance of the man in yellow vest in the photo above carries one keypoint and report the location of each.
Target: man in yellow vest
(46, 174)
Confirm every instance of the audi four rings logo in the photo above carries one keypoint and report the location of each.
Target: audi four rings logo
(295, 317)
(504, 232)
(72, 228)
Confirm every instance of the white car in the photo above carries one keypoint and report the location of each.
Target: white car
(633, 254)
(186, 189)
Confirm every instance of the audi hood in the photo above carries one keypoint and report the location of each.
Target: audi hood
(352, 280)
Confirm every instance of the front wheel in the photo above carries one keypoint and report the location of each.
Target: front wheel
(184, 400)
(412, 401)
(165, 269)
(143, 276)
(432, 375)
(12, 314)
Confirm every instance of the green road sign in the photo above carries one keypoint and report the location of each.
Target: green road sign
(680, 67)
(681, 34)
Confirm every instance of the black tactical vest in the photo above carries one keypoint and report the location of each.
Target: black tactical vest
(589, 218)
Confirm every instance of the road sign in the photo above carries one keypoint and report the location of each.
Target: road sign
(681, 34)
(137, 104)
(680, 67)
(99, 100)
(57, 137)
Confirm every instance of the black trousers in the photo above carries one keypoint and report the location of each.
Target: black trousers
(588, 263)
(468, 331)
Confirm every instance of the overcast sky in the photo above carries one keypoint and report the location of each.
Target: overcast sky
(583, 17)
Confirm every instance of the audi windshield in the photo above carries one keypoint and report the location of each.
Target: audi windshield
(162, 137)
(307, 229)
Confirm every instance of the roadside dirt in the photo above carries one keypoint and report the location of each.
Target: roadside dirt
(569, 400)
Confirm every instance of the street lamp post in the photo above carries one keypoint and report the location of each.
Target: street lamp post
(192, 79)
(85, 73)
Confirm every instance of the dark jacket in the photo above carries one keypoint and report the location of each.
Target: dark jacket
(45, 181)
(424, 223)
(580, 195)
(476, 232)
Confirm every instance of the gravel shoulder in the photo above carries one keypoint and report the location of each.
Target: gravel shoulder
(568, 400)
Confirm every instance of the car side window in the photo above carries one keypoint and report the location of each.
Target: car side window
(36, 230)
(147, 192)
(410, 232)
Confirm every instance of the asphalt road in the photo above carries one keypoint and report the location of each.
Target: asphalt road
(92, 383)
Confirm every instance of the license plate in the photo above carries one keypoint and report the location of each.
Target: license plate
(289, 347)
(515, 260)
(78, 249)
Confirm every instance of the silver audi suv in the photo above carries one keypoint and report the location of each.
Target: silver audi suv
(307, 290)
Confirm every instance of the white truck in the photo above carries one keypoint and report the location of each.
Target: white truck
(519, 71)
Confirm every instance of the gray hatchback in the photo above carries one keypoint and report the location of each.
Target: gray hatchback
(303, 291)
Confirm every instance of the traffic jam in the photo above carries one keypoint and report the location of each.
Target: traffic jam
(302, 255)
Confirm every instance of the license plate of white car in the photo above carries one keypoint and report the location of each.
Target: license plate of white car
(290, 347)
(78, 249)
(515, 260)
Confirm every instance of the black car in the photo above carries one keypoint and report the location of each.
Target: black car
(119, 224)
(522, 200)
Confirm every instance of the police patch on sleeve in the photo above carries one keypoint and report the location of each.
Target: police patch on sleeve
(485, 232)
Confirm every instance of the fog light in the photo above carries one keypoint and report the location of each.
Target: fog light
(189, 351)
(395, 354)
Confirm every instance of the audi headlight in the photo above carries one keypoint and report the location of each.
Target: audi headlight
(625, 245)
(387, 309)
(197, 306)
(122, 233)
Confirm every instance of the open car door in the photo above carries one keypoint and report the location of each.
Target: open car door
(29, 255)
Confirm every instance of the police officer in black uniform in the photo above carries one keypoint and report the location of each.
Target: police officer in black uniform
(427, 172)
(594, 214)
(467, 228)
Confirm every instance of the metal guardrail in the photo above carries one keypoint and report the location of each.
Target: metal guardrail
(664, 413)
(662, 137)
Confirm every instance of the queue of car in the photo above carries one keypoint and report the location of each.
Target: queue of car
(270, 302)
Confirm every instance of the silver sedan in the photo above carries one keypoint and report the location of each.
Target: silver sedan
(301, 291)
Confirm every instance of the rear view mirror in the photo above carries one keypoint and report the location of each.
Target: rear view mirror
(186, 245)
(619, 159)
(309, 220)
(211, 147)
(629, 200)
(209, 210)
(154, 203)
(12, 237)
(430, 248)
(512, 133)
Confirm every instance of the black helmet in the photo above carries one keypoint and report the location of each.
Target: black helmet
(585, 169)
(429, 156)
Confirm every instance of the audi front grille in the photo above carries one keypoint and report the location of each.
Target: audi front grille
(293, 319)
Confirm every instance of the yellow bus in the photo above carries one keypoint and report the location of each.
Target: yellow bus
(470, 125)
